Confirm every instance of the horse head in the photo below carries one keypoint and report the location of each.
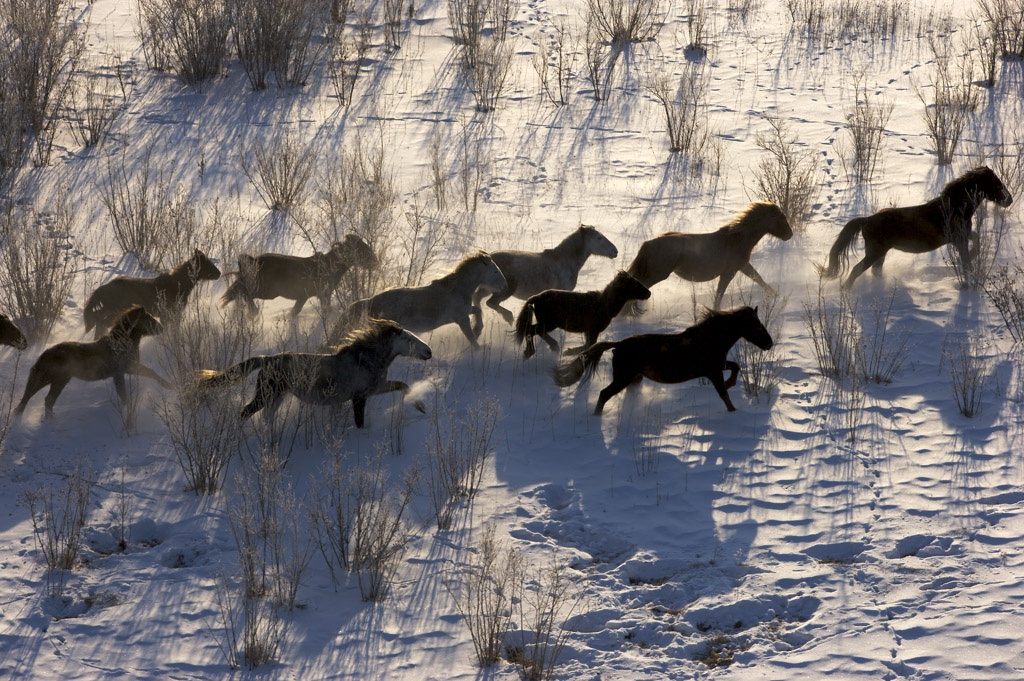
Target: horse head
(595, 243)
(630, 287)
(136, 321)
(355, 248)
(491, 278)
(201, 267)
(11, 334)
(403, 341)
(753, 329)
(994, 188)
(772, 219)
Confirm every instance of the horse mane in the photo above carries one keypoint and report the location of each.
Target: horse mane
(368, 338)
(959, 189)
(709, 320)
(466, 260)
(126, 321)
(750, 214)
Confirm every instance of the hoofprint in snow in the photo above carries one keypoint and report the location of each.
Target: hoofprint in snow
(813, 532)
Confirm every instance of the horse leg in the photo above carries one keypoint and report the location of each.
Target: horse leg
(51, 396)
(530, 350)
(876, 269)
(721, 385)
(753, 274)
(589, 338)
(476, 316)
(723, 283)
(622, 378)
(139, 369)
(734, 370)
(297, 308)
(120, 388)
(268, 391)
(467, 330)
(495, 301)
(552, 343)
(872, 254)
(36, 382)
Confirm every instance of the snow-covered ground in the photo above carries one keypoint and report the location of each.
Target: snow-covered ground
(769, 534)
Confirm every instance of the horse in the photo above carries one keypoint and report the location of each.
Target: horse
(528, 273)
(111, 356)
(722, 253)
(297, 278)
(446, 300)
(357, 370)
(699, 351)
(586, 312)
(946, 219)
(167, 292)
(11, 334)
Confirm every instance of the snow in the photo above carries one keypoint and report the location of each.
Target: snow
(895, 554)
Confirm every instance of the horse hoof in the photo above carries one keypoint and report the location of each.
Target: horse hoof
(420, 407)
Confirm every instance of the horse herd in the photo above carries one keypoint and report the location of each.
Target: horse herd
(125, 309)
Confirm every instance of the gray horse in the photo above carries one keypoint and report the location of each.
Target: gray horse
(529, 273)
(447, 300)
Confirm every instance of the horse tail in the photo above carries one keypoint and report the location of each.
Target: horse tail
(208, 378)
(582, 367)
(839, 255)
(523, 322)
(232, 292)
(92, 313)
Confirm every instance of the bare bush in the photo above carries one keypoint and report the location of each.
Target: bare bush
(545, 611)
(359, 522)
(1005, 290)
(882, 348)
(788, 176)
(58, 514)
(991, 228)
(151, 30)
(697, 20)
(599, 63)
(483, 591)
(393, 11)
(866, 121)
(103, 100)
(43, 42)
(456, 454)
(280, 170)
(276, 36)
(761, 367)
(37, 265)
(251, 628)
(193, 32)
(843, 20)
(968, 370)
(986, 46)
(488, 79)
(555, 63)
(954, 100)
(835, 336)
(202, 426)
(621, 22)
(1005, 21)
(686, 111)
(481, 36)
(151, 216)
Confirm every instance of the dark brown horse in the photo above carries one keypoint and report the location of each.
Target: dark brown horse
(167, 292)
(273, 275)
(112, 356)
(586, 312)
(721, 254)
(699, 351)
(11, 334)
(356, 371)
(946, 219)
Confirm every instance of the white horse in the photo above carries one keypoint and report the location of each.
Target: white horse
(529, 273)
(447, 300)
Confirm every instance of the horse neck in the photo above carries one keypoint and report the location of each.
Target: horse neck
(614, 298)
(572, 251)
(178, 279)
(125, 339)
(961, 203)
(371, 355)
(747, 233)
(720, 327)
(460, 281)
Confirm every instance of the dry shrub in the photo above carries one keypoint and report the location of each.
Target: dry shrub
(1005, 290)
(58, 514)
(954, 101)
(280, 170)
(866, 121)
(788, 175)
(969, 371)
(277, 36)
(621, 22)
(189, 37)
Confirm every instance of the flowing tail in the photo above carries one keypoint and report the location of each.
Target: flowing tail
(839, 256)
(208, 378)
(583, 366)
(523, 322)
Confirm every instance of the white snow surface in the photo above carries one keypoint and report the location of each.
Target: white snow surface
(894, 554)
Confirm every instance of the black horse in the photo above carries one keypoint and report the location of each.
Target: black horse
(111, 356)
(167, 292)
(356, 371)
(948, 218)
(586, 312)
(699, 351)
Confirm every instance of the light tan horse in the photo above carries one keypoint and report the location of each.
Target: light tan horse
(721, 254)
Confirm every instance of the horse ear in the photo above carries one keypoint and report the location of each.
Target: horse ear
(755, 310)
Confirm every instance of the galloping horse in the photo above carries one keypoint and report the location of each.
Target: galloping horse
(447, 300)
(586, 312)
(529, 273)
(271, 275)
(167, 292)
(722, 253)
(699, 351)
(11, 334)
(111, 356)
(355, 372)
(945, 219)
